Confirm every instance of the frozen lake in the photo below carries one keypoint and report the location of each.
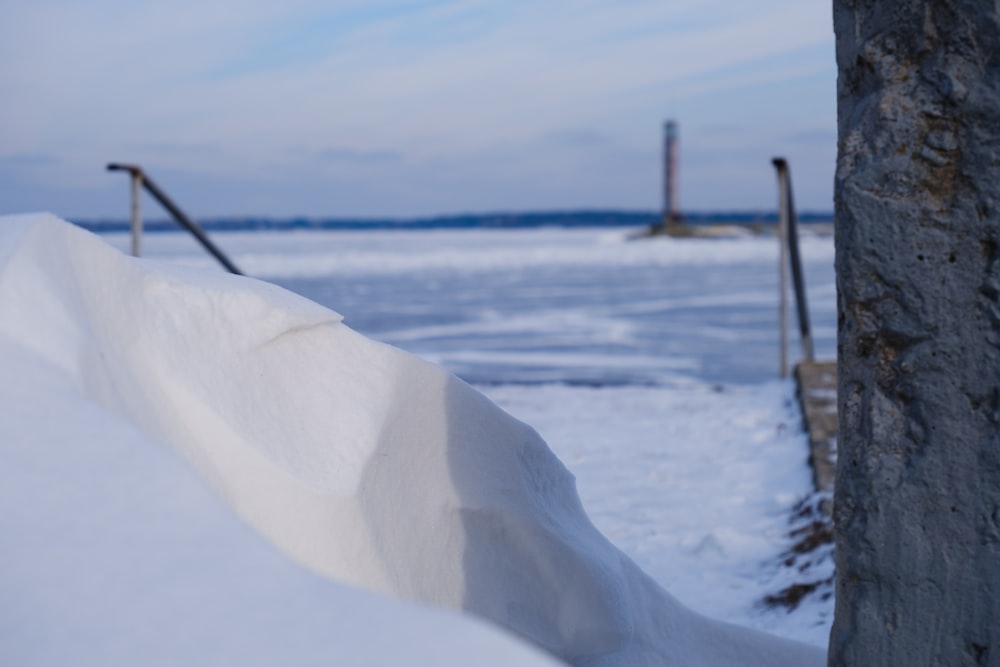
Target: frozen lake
(549, 305)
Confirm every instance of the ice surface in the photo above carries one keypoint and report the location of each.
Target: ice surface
(579, 306)
(366, 464)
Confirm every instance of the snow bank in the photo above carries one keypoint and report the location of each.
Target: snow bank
(362, 462)
(115, 553)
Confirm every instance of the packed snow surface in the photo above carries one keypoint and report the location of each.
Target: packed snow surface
(365, 464)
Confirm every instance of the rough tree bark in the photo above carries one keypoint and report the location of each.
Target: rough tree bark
(917, 507)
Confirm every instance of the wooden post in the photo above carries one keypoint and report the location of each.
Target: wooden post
(788, 224)
(140, 178)
(136, 180)
(783, 271)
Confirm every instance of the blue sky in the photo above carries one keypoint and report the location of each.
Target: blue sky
(413, 107)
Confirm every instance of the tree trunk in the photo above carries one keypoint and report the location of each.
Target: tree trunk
(917, 507)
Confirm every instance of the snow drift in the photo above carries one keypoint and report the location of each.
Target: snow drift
(361, 462)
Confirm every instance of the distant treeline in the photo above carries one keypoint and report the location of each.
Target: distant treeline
(467, 221)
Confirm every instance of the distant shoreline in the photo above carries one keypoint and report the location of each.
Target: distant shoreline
(528, 220)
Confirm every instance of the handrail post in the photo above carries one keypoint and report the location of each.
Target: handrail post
(139, 176)
(782, 267)
(136, 180)
(788, 231)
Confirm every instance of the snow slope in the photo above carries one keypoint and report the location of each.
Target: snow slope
(114, 552)
(360, 461)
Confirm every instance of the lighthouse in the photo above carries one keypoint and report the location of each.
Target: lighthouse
(671, 214)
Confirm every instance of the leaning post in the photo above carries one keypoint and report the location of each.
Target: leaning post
(782, 271)
(792, 258)
(140, 177)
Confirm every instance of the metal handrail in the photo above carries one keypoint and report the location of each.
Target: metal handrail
(790, 257)
(141, 179)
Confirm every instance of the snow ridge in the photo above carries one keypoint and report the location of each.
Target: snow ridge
(361, 462)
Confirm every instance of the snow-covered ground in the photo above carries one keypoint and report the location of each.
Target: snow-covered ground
(647, 366)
